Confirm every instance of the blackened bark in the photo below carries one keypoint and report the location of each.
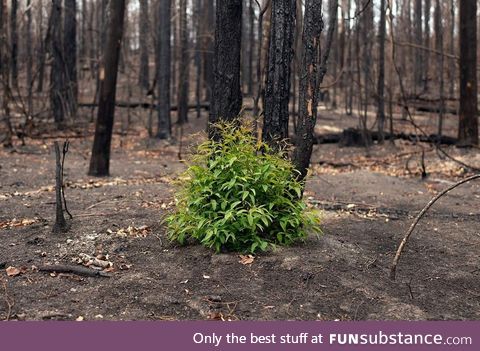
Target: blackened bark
(440, 64)
(57, 72)
(164, 69)
(312, 30)
(29, 58)
(251, 49)
(4, 73)
(100, 160)
(83, 35)
(197, 24)
(468, 122)
(226, 95)
(426, 34)
(183, 80)
(70, 56)
(208, 48)
(381, 71)
(42, 47)
(143, 24)
(14, 43)
(418, 40)
(277, 89)
(60, 225)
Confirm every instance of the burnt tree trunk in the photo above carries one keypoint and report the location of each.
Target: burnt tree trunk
(143, 24)
(183, 77)
(307, 117)
(277, 89)
(426, 34)
(163, 68)
(208, 47)
(418, 41)
(440, 64)
(70, 55)
(14, 43)
(468, 122)
(57, 74)
(29, 58)
(4, 73)
(381, 71)
(100, 159)
(60, 225)
(226, 93)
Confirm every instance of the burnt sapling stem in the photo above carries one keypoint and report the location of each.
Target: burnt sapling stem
(60, 225)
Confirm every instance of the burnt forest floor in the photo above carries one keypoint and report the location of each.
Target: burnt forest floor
(367, 202)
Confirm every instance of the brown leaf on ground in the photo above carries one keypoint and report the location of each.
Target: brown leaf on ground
(13, 271)
(246, 259)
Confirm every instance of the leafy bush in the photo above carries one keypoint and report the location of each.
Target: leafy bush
(240, 195)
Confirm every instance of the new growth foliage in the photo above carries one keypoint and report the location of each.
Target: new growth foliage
(239, 194)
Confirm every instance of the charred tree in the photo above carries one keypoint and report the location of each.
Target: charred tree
(440, 64)
(70, 56)
(468, 121)
(143, 24)
(277, 89)
(183, 80)
(381, 71)
(426, 35)
(29, 58)
(418, 35)
(308, 94)
(14, 42)
(100, 159)
(163, 68)
(57, 72)
(226, 94)
(208, 47)
(4, 73)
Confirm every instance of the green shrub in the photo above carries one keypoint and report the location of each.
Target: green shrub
(240, 195)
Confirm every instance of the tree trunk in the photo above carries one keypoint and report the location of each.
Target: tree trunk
(29, 59)
(426, 33)
(143, 24)
(183, 81)
(100, 160)
(164, 69)
(312, 30)
(208, 48)
(70, 55)
(251, 49)
(440, 64)
(417, 27)
(197, 56)
(468, 123)
(226, 94)
(381, 71)
(277, 89)
(57, 73)
(14, 43)
(4, 73)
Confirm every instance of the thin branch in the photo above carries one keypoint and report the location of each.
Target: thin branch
(417, 219)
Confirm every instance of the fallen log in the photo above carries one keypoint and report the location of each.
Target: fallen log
(141, 104)
(346, 138)
(87, 272)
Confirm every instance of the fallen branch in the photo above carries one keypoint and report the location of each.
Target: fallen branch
(147, 105)
(87, 272)
(417, 219)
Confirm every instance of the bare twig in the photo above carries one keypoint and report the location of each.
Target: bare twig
(417, 219)
(8, 300)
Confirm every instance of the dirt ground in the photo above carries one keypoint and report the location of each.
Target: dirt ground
(368, 204)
